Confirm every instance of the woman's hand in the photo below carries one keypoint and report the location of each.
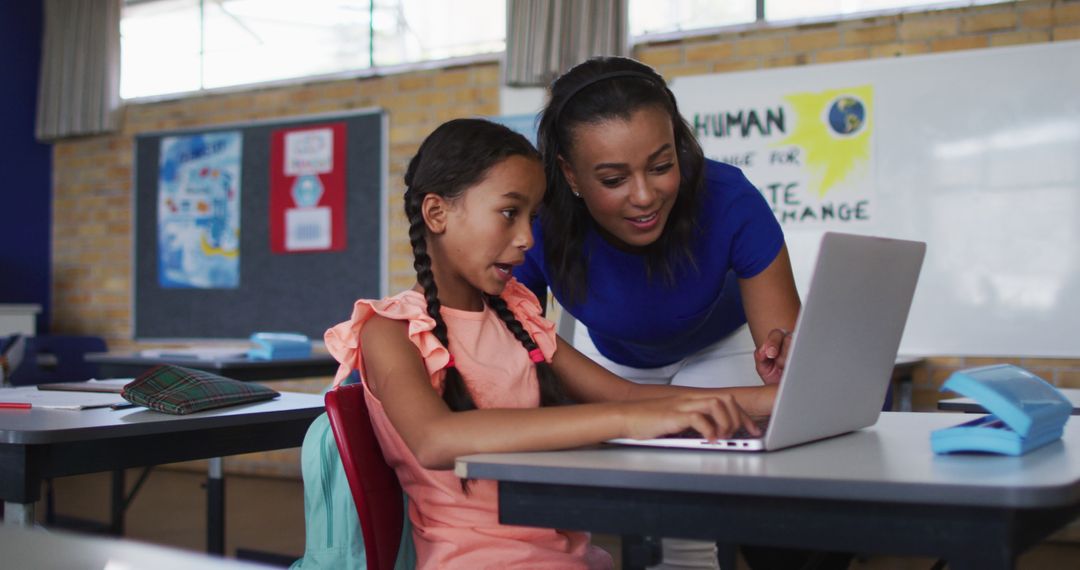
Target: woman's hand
(771, 303)
(771, 357)
(713, 416)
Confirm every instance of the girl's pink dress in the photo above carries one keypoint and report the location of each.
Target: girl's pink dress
(452, 529)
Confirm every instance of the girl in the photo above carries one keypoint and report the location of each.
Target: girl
(688, 242)
(464, 362)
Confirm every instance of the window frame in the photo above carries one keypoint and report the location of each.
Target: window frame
(344, 75)
(760, 24)
(763, 24)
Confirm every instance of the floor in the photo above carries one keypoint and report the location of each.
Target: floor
(266, 514)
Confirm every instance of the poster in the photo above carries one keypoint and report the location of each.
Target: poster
(307, 189)
(523, 123)
(199, 211)
(809, 152)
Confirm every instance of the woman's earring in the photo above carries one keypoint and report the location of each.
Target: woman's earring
(576, 193)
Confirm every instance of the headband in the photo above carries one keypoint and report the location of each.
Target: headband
(597, 79)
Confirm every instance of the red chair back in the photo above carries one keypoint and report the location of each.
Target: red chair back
(374, 485)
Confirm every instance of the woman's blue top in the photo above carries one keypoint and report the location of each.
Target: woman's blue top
(644, 322)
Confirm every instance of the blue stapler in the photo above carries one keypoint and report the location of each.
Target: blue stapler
(273, 346)
(1026, 412)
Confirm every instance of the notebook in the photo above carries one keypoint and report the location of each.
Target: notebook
(844, 348)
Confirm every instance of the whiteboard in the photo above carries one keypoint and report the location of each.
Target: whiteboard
(976, 153)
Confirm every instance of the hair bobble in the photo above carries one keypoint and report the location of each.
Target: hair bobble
(536, 356)
(449, 363)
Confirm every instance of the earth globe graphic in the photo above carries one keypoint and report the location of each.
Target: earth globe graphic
(846, 115)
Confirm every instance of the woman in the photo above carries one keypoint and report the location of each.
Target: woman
(673, 265)
(666, 258)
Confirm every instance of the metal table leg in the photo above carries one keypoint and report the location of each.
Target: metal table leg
(215, 508)
(18, 514)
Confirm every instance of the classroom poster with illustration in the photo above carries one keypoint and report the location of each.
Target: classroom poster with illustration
(199, 211)
(809, 152)
(307, 189)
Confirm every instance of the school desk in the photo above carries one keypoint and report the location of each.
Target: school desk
(970, 406)
(130, 364)
(38, 444)
(41, 548)
(877, 490)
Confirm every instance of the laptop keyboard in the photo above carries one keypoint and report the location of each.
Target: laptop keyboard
(741, 433)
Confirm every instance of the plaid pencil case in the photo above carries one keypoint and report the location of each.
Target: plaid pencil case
(178, 390)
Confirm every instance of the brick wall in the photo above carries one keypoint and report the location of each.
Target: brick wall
(92, 269)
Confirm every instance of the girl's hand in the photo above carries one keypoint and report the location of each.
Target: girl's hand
(771, 357)
(713, 416)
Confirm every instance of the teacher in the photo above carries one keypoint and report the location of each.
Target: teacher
(673, 265)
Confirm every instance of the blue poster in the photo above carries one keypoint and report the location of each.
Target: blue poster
(524, 124)
(199, 211)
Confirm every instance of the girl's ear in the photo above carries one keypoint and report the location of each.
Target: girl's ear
(568, 174)
(434, 209)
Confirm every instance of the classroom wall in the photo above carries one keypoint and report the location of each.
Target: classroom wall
(26, 201)
(91, 234)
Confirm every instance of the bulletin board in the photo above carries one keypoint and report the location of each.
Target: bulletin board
(272, 273)
(977, 153)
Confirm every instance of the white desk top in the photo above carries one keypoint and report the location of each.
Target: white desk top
(890, 461)
(38, 548)
(40, 426)
(223, 359)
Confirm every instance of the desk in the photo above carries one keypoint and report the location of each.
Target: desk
(37, 548)
(878, 490)
(129, 365)
(970, 406)
(38, 444)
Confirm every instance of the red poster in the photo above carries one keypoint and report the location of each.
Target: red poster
(307, 189)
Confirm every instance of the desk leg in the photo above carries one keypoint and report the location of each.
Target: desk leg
(907, 384)
(215, 508)
(639, 552)
(117, 503)
(18, 514)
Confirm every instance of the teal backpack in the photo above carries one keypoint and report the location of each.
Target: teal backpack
(333, 537)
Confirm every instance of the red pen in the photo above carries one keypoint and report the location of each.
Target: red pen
(15, 405)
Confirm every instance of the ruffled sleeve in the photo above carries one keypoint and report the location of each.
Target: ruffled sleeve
(523, 303)
(343, 339)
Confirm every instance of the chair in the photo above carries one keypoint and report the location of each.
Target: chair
(374, 485)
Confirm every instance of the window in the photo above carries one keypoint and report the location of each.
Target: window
(159, 48)
(793, 9)
(649, 17)
(173, 46)
(170, 46)
(653, 17)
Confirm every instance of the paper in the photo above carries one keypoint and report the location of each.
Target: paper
(58, 400)
(113, 386)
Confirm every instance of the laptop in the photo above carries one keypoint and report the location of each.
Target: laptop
(842, 355)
